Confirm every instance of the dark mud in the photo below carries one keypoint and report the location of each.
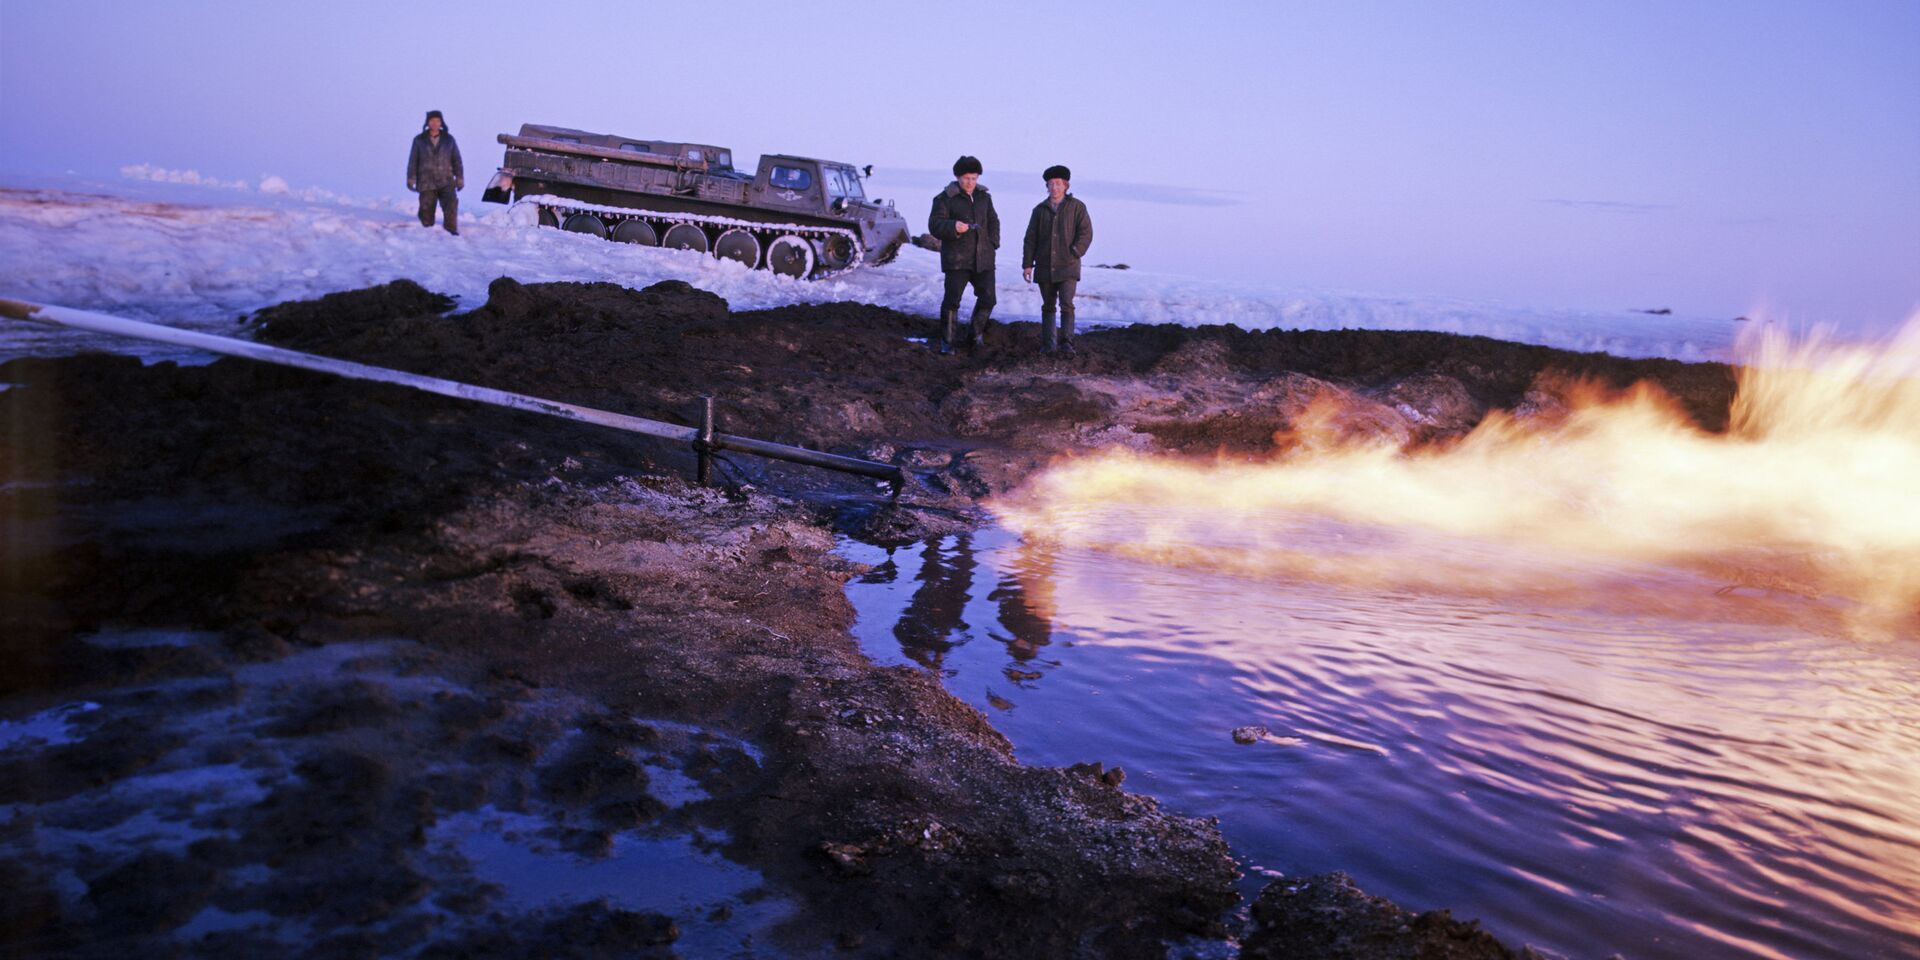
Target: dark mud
(404, 613)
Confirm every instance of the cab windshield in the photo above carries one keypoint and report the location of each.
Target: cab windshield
(842, 182)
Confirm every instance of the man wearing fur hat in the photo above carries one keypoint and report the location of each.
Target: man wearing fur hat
(433, 170)
(1058, 235)
(969, 232)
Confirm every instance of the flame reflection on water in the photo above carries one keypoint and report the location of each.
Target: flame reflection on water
(1583, 778)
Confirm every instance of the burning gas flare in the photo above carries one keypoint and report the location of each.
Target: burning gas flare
(1813, 490)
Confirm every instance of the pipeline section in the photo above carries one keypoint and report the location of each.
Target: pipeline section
(703, 439)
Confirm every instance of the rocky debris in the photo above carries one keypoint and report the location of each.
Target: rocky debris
(1327, 916)
(1436, 404)
(587, 931)
(1098, 773)
(902, 523)
(1195, 357)
(1543, 403)
(1260, 734)
(849, 858)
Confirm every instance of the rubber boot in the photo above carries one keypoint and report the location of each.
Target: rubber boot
(1049, 336)
(977, 329)
(1066, 329)
(949, 324)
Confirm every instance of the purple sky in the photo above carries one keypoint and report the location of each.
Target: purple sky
(1714, 157)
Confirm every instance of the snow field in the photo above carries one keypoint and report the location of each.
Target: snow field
(174, 247)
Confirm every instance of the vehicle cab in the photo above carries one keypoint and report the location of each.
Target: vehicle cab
(807, 186)
(790, 183)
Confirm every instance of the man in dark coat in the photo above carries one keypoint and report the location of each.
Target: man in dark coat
(1058, 235)
(434, 171)
(969, 233)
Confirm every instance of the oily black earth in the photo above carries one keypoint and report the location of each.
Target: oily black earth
(301, 632)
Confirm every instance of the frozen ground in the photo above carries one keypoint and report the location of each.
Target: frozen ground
(173, 247)
(219, 759)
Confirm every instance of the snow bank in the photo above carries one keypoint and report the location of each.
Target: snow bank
(145, 171)
(175, 247)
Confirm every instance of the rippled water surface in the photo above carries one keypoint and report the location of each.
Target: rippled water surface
(1584, 778)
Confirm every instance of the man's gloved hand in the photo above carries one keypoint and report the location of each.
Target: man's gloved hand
(410, 186)
(459, 184)
(1028, 273)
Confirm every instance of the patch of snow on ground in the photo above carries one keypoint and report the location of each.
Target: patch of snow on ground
(161, 246)
(147, 171)
(48, 728)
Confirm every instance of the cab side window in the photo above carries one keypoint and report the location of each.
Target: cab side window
(791, 178)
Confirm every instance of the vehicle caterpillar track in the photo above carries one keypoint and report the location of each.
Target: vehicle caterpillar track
(787, 249)
(796, 216)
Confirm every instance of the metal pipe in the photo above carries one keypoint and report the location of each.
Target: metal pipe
(119, 326)
(813, 458)
(703, 444)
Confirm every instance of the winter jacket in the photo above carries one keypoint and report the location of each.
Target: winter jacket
(974, 249)
(430, 167)
(1061, 238)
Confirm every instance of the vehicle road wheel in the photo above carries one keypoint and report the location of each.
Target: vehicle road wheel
(585, 223)
(548, 218)
(790, 256)
(636, 231)
(738, 245)
(836, 253)
(685, 236)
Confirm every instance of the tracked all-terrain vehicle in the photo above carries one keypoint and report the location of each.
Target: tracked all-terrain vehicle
(796, 216)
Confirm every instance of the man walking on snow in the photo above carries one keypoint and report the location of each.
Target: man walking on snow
(969, 233)
(1058, 235)
(434, 171)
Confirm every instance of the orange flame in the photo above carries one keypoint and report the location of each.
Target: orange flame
(1813, 491)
